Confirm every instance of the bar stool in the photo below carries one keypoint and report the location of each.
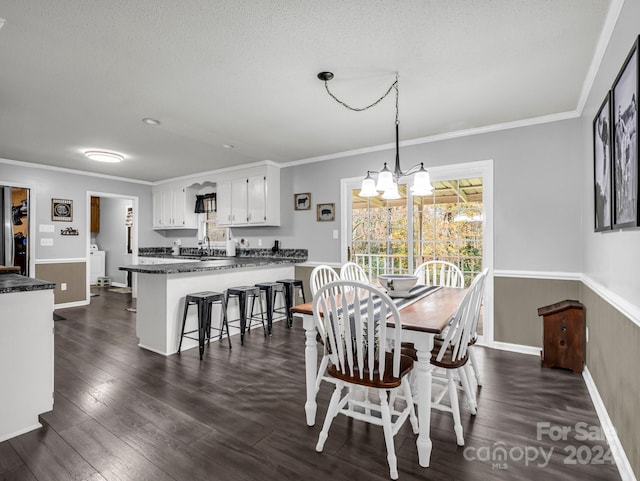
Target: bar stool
(289, 287)
(243, 293)
(270, 290)
(205, 300)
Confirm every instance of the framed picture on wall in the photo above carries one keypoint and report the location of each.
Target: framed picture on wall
(61, 210)
(326, 212)
(602, 166)
(624, 100)
(302, 201)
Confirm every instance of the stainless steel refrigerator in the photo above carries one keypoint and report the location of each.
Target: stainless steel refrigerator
(14, 214)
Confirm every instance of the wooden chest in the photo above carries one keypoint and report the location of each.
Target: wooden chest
(564, 335)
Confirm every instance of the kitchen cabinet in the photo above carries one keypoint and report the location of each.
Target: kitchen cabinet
(173, 208)
(252, 200)
(95, 214)
(26, 355)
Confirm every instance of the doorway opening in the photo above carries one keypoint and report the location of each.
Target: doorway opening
(15, 234)
(112, 240)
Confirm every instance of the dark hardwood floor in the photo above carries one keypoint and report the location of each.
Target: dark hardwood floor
(123, 413)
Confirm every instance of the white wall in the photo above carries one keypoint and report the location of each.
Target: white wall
(611, 259)
(537, 194)
(47, 184)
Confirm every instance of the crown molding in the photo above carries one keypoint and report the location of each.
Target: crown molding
(598, 55)
(218, 171)
(440, 137)
(32, 165)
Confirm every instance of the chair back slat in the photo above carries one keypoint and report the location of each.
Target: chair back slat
(354, 317)
(321, 275)
(439, 273)
(353, 272)
(464, 321)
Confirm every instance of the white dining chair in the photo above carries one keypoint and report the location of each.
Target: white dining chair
(450, 355)
(354, 317)
(439, 273)
(353, 272)
(473, 363)
(320, 276)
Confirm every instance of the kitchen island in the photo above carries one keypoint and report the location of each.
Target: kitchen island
(26, 353)
(161, 291)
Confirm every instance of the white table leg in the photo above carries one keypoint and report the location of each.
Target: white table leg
(311, 367)
(423, 382)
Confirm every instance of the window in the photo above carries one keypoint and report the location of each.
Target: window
(210, 228)
(447, 226)
(453, 224)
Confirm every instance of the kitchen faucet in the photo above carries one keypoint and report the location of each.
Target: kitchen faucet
(206, 238)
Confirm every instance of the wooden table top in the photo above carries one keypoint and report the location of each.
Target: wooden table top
(429, 314)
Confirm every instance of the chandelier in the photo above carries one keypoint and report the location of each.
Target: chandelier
(387, 180)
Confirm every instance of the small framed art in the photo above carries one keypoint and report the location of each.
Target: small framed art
(61, 210)
(302, 201)
(326, 212)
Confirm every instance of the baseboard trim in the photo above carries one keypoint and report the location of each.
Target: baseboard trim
(617, 451)
(21, 431)
(506, 346)
(71, 304)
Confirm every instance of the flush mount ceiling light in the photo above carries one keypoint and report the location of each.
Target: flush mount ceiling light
(104, 156)
(387, 180)
(150, 121)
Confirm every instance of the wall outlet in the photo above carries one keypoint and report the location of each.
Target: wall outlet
(335, 233)
(46, 241)
(63, 286)
(259, 242)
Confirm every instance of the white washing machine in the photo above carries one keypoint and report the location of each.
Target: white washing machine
(96, 266)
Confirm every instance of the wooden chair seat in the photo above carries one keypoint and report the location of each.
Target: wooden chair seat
(447, 361)
(388, 381)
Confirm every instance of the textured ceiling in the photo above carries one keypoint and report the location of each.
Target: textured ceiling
(81, 74)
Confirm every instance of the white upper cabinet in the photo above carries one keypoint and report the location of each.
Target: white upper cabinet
(257, 200)
(250, 200)
(223, 202)
(173, 208)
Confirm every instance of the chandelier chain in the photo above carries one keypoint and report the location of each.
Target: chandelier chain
(394, 85)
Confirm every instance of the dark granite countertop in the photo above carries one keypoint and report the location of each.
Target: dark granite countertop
(213, 265)
(16, 283)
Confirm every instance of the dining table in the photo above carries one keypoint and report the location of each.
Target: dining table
(422, 318)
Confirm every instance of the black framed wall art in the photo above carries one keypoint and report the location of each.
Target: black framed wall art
(624, 100)
(326, 212)
(62, 210)
(302, 201)
(602, 166)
